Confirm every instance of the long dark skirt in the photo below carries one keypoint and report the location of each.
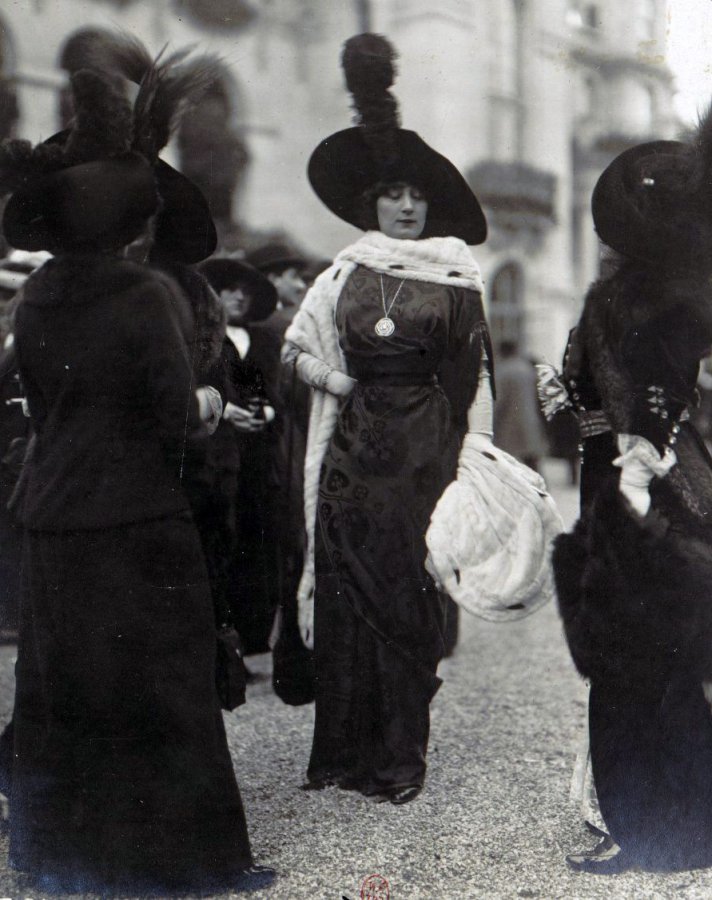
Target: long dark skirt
(379, 620)
(651, 755)
(122, 777)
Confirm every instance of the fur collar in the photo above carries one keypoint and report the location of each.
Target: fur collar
(77, 278)
(439, 260)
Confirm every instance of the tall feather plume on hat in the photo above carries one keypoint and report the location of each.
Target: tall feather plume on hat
(167, 85)
(368, 61)
(702, 143)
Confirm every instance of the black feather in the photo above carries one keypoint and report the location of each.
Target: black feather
(702, 142)
(368, 61)
(167, 87)
(103, 123)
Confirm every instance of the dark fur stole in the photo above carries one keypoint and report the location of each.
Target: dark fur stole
(645, 327)
(635, 596)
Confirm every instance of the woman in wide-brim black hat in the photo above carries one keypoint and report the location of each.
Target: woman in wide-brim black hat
(122, 780)
(633, 578)
(393, 337)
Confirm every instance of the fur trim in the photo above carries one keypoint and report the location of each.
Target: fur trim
(436, 260)
(634, 596)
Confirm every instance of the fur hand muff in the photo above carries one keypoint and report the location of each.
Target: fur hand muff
(634, 596)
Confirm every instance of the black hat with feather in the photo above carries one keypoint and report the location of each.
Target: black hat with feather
(184, 229)
(350, 164)
(228, 273)
(90, 190)
(654, 201)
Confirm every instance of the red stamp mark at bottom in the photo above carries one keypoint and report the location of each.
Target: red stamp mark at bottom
(375, 887)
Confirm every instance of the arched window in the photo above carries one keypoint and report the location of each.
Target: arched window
(506, 313)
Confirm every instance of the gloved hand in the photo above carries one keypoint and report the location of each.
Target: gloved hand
(306, 621)
(640, 462)
(634, 482)
(210, 406)
(339, 383)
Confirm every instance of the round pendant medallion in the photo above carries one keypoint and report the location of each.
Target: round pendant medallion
(385, 327)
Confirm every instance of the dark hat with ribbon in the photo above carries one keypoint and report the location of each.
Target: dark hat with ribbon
(275, 257)
(350, 163)
(227, 273)
(84, 188)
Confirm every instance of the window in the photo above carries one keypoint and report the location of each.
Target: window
(505, 81)
(506, 314)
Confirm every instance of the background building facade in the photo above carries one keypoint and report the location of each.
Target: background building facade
(530, 98)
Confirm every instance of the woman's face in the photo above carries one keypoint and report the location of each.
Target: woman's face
(236, 304)
(401, 212)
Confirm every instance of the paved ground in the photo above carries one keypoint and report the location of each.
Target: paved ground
(495, 819)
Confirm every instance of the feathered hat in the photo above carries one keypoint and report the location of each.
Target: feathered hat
(654, 201)
(184, 230)
(228, 273)
(349, 163)
(90, 189)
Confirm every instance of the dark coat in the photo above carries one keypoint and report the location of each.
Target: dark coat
(242, 384)
(635, 355)
(101, 351)
(635, 591)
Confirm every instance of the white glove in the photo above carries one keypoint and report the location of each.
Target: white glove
(640, 462)
(634, 482)
(306, 621)
(339, 383)
(707, 691)
(210, 406)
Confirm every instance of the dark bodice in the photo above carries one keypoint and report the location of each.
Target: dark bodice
(440, 332)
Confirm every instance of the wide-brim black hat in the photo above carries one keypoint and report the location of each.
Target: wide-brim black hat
(343, 168)
(643, 204)
(184, 230)
(226, 273)
(271, 257)
(103, 204)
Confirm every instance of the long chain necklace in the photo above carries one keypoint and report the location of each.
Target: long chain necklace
(385, 326)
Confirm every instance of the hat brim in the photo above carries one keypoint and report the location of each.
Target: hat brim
(184, 230)
(226, 273)
(624, 218)
(343, 167)
(103, 204)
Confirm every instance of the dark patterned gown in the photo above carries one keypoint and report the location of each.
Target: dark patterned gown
(379, 620)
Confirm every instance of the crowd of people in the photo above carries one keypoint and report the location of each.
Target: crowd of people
(207, 456)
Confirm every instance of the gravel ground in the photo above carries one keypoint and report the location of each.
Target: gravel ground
(494, 820)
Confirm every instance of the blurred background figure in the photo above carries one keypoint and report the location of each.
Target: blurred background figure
(285, 446)
(240, 502)
(518, 427)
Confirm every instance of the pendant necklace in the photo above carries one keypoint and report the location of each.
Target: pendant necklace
(385, 326)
